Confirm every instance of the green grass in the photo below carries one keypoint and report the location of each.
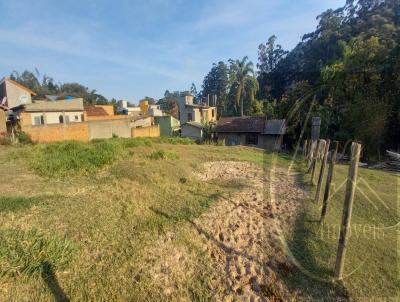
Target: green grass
(29, 252)
(16, 203)
(109, 230)
(71, 158)
(162, 154)
(116, 216)
(371, 270)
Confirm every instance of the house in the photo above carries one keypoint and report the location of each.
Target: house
(154, 110)
(14, 96)
(124, 108)
(169, 126)
(190, 112)
(193, 130)
(52, 112)
(252, 131)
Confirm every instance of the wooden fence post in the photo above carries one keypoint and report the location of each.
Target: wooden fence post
(311, 157)
(347, 209)
(329, 180)
(314, 162)
(322, 171)
(305, 149)
(309, 149)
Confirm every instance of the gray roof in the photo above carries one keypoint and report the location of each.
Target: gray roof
(51, 97)
(194, 124)
(241, 124)
(61, 105)
(251, 124)
(140, 117)
(276, 127)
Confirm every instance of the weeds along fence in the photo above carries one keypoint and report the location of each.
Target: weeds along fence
(319, 151)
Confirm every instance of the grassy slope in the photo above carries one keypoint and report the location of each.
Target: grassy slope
(103, 223)
(110, 214)
(371, 270)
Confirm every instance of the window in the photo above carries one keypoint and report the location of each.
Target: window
(251, 139)
(37, 120)
(212, 113)
(76, 118)
(61, 119)
(190, 117)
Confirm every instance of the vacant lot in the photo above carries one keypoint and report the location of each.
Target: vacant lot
(151, 220)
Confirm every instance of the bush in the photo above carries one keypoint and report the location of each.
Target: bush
(24, 138)
(29, 252)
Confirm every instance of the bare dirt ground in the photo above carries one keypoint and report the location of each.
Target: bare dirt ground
(243, 233)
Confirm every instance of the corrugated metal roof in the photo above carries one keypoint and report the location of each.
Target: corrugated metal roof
(241, 124)
(195, 124)
(140, 117)
(276, 127)
(251, 124)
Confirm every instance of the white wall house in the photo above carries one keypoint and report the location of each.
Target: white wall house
(124, 108)
(54, 112)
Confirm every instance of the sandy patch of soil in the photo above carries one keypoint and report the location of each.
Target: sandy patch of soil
(242, 233)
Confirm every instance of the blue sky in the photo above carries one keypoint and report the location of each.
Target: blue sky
(130, 49)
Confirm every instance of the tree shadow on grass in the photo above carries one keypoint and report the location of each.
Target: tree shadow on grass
(52, 283)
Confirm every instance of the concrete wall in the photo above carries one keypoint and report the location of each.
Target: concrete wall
(106, 128)
(16, 96)
(3, 118)
(143, 122)
(152, 131)
(57, 132)
(103, 117)
(192, 132)
(168, 124)
(268, 142)
(272, 142)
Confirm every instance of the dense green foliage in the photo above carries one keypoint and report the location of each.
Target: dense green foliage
(235, 86)
(346, 71)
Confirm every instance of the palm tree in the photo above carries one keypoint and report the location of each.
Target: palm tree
(243, 73)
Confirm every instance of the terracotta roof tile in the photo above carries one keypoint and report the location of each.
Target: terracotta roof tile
(95, 111)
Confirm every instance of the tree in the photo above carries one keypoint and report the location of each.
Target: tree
(193, 90)
(47, 86)
(242, 74)
(216, 82)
